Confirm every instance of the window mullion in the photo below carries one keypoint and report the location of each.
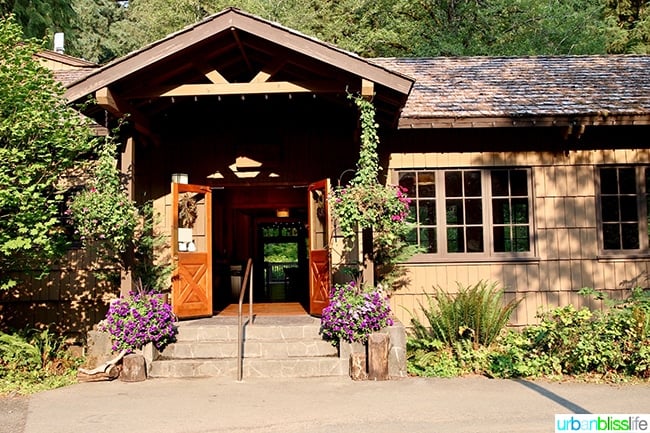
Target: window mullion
(642, 207)
(441, 212)
(487, 212)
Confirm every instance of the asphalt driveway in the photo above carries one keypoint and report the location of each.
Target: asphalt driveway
(318, 405)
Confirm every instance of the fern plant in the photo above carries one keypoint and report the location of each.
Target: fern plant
(476, 313)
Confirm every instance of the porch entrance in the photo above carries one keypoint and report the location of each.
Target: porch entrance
(281, 260)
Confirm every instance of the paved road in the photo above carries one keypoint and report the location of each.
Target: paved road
(319, 405)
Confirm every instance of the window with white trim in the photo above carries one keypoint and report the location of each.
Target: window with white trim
(470, 213)
(624, 208)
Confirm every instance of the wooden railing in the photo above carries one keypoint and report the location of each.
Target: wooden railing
(240, 328)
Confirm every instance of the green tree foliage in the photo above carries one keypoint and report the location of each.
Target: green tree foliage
(40, 18)
(41, 140)
(502, 27)
(402, 28)
(100, 31)
(629, 26)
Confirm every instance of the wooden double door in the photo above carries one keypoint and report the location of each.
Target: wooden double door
(192, 288)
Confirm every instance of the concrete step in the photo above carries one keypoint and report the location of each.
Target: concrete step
(252, 367)
(251, 332)
(273, 347)
(270, 349)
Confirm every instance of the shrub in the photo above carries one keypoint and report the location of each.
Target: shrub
(431, 358)
(580, 342)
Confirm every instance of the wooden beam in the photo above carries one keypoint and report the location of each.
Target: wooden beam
(367, 89)
(245, 89)
(268, 71)
(241, 48)
(215, 77)
(118, 107)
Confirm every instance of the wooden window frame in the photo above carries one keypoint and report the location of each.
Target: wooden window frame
(642, 199)
(488, 254)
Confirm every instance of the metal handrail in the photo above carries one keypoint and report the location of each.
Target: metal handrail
(240, 327)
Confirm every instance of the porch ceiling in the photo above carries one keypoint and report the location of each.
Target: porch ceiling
(233, 54)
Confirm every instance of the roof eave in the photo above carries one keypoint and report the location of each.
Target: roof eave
(503, 121)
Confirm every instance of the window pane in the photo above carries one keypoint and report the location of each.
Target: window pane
(499, 179)
(630, 234)
(627, 180)
(520, 210)
(474, 239)
(427, 212)
(455, 240)
(454, 211)
(474, 211)
(521, 240)
(519, 183)
(411, 218)
(501, 239)
(629, 210)
(428, 240)
(453, 184)
(611, 237)
(473, 184)
(411, 237)
(500, 211)
(608, 181)
(610, 209)
(426, 184)
(407, 180)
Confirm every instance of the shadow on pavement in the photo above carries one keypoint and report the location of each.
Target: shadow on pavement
(554, 397)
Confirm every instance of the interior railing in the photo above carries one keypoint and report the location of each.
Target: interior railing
(240, 328)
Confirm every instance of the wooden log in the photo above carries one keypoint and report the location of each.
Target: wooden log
(112, 373)
(378, 356)
(105, 366)
(133, 368)
(358, 366)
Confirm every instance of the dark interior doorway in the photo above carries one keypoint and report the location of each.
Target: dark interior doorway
(281, 260)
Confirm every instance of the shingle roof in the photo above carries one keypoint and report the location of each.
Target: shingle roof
(497, 87)
(68, 76)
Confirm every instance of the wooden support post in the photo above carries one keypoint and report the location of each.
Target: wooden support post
(378, 356)
(126, 168)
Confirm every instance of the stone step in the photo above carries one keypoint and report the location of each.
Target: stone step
(252, 367)
(251, 332)
(273, 347)
(269, 349)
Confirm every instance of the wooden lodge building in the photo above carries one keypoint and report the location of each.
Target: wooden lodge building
(533, 172)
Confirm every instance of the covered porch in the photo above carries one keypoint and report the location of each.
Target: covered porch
(255, 117)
